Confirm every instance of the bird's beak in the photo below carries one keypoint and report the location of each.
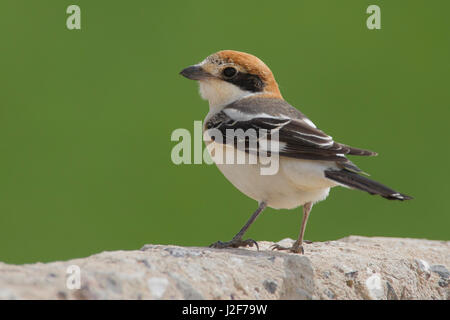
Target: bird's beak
(195, 73)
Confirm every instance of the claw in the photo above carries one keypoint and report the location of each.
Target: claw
(278, 247)
(235, 243)
(218, 245)
(251, 242)
(296, 248)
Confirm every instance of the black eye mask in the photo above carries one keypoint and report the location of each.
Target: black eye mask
(246, 81)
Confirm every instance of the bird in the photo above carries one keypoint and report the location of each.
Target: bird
(243, 94)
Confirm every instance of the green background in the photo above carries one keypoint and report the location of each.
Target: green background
(86, 118)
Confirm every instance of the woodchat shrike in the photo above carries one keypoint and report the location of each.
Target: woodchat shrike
(243, 94)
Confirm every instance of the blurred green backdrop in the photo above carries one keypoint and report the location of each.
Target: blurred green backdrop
(86, 118)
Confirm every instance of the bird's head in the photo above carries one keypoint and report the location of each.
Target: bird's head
(227, 76)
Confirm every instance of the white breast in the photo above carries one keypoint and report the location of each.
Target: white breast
(296, 183)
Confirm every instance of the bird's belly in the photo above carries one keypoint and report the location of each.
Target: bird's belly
(308, 174)
(279, 190)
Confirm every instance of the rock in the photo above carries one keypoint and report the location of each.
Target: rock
(391, 294)
(423, 267)
(330, 294)
(350, 268)
(443, 283)
(157, 286)
(374, 287)
(441, 271)
(270, 286)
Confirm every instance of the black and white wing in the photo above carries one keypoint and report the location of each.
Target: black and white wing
(262, 118)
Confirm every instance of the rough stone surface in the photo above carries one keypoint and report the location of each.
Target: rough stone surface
(351, 268)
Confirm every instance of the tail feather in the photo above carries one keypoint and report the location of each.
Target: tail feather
(355, 181)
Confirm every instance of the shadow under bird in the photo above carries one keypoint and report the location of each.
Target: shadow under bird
(243, 94)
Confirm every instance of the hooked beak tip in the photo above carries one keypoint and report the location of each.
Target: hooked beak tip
(195, 73)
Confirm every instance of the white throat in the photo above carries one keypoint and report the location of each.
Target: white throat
(220, 93)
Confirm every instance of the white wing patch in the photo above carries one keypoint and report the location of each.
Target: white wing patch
(309, 123)
(238, 115)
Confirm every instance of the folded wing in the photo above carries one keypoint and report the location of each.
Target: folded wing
(298, 137)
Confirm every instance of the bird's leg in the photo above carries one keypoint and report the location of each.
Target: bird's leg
(237, 239)
(297, 247)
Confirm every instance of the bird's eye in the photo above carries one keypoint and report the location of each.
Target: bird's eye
(229, 72)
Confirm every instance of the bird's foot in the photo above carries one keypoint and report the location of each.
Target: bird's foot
(296, 248)
(235, 243)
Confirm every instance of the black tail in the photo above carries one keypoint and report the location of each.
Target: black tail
(354, 180)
